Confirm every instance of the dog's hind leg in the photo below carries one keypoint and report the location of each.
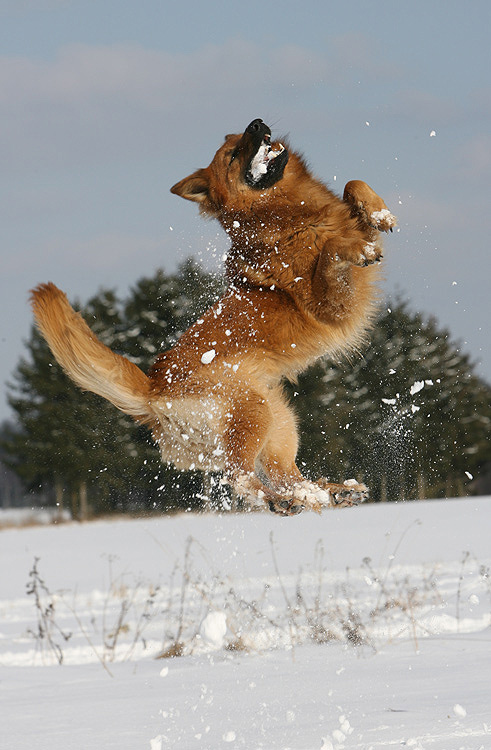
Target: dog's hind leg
(277, 459)
(261, 439)
(251, 424)
(278, 453)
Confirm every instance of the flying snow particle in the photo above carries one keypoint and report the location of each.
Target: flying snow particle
(236, 224)
(469, 475)
(416, 387)
(229, 737)
(208, 357)
(164, 672)
(433, 133)
(459, 710)
(156, 743)
(349, 483)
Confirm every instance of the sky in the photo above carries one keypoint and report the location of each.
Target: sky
(105, 104)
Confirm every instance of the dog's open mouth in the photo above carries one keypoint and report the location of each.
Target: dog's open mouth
(268, 161)
(262, 160)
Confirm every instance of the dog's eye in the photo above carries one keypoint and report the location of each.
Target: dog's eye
(233, 154)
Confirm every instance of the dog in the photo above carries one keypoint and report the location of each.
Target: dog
(301, 269)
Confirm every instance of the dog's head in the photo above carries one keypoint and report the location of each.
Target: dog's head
(243, 170)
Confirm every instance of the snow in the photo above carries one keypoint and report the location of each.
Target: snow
(383, 215)
(213, 629)
(26, 516)
(416, 387)
(369, 251)
(264, 154)
(208, 357)
(459, 710)
(242, 593)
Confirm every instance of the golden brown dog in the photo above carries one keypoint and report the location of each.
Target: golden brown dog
(301, 268)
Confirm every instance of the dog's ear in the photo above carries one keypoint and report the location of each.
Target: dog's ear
(194, 187)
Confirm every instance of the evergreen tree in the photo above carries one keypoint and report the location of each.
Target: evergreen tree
(410, 417)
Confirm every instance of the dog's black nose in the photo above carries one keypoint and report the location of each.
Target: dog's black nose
(257, 127)
(254, 126)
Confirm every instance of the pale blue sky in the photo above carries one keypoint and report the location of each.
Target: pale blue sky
(104, 105)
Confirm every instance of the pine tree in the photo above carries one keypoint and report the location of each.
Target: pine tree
(410, 417)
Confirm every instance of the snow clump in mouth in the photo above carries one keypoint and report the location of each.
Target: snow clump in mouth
(264, 155)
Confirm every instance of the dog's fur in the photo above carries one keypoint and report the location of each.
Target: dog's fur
(302, 268)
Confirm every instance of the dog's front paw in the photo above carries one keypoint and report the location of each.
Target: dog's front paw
(372, 253)
(368, 206)
(383, 220)
(362, 253)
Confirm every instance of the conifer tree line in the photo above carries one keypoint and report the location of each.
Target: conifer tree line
(409, 416)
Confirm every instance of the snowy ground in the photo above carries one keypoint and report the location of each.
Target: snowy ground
(361, 628)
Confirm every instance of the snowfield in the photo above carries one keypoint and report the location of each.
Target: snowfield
(363, 628)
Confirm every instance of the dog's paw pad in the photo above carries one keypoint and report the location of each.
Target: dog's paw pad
(353, 493)
(286, 507)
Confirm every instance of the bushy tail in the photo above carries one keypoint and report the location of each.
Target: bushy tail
(85, 359)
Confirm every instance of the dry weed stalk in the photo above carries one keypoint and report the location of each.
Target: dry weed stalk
(44, 602)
